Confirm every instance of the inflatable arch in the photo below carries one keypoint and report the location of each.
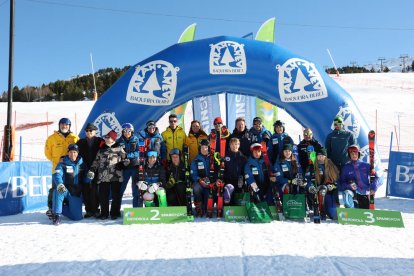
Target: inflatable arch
(234, 65)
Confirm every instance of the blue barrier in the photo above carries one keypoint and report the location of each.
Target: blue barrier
(400, 180)
(24, 186)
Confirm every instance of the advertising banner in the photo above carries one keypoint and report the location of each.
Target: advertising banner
(382, 218)
(24, 186)
(400, 179)
(155, 215)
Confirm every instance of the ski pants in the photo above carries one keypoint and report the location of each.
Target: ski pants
(74, 208)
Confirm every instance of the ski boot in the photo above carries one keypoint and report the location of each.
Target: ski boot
(56, 219)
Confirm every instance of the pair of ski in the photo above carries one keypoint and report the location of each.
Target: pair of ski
(319, 196)
(216, 168)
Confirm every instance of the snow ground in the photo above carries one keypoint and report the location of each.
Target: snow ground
(30, 245)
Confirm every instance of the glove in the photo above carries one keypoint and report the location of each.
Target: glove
(300, 182)
(126, 162)
(204, 182)
(90, 175)
(254, 187)
(330, 187)
(322, 190)
(87, 181)
(153, 188)
(312, 189)
(61, 188)
(142, 185)
(171, 182)
(119, 166)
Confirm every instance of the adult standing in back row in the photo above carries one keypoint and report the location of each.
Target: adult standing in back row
(174, 136)
(337, 143)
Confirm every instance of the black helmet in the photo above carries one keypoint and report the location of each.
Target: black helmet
(204, 142)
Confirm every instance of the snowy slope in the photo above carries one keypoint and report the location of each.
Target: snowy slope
(30, 245)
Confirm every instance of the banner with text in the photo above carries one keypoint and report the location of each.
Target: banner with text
(205, 109)
(24, 186)
(382, 218)
(240, 106)
(155, 215)
(400, 180)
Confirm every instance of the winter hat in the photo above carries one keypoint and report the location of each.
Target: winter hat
(257, 119)
(218, 120)
(287, 147)
(338, 119)
(112, 134)
(175, 151)
(150, 123)
(255, 146)
(90, 126)
(322, 151)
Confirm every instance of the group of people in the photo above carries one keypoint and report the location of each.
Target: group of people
(95, 170)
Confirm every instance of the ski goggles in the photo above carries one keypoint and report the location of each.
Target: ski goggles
(175, 151)
(353, 150)
(152, 154)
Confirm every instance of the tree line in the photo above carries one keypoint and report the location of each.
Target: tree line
(76, 89)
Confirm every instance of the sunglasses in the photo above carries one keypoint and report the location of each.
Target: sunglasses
(307, 134)
(151, 127)
(88, 130)
(217, 124)
(257, 124)
(173, 121)
(353, 151)
(107, 137)
(127, 130)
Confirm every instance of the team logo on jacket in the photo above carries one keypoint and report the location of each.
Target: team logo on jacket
(107, 122)
(300, 81)
(351, 122)
(153, 83)
(227, 58)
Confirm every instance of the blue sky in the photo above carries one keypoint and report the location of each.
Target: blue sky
(54, 38)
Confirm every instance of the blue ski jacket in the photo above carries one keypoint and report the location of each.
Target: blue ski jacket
(131, 147)
(275, 146)
(71, 174)
(156, 142)
(358, 172)
(200, 167)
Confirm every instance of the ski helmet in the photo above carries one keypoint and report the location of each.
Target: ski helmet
(65, 121)
(175, 151)
(129, 126)
(348, 199)
(204, 142)
(73, 147)
(353, 148)
(256, 146)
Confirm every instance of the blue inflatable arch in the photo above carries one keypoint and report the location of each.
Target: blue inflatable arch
(183, 71)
